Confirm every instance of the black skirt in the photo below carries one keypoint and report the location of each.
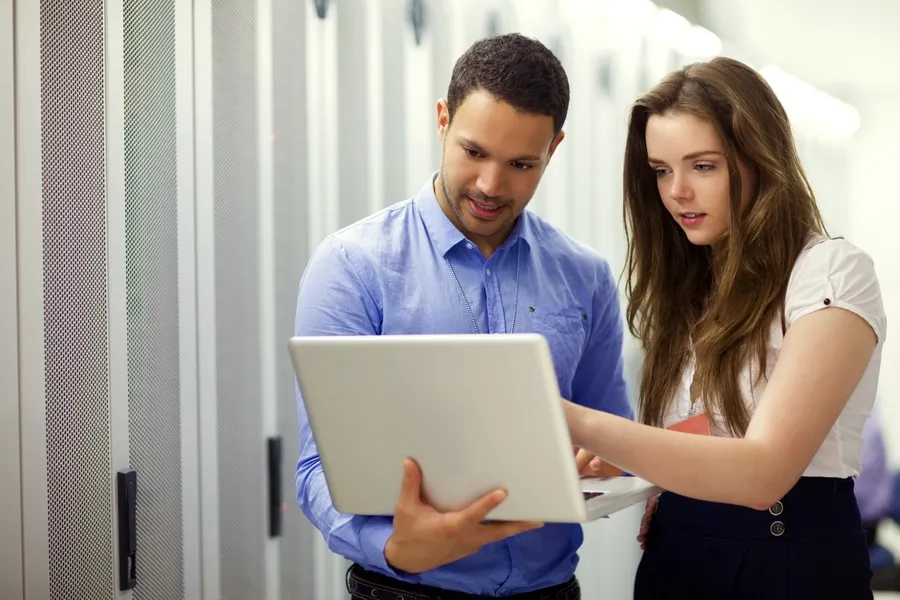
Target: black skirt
(811, 544)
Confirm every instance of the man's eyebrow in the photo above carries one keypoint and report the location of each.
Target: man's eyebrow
(475, 146)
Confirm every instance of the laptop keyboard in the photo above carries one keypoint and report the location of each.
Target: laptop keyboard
(589, 495)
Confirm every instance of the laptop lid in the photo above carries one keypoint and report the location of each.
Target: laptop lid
(477, 412)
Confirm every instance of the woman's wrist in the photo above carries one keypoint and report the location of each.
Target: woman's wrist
(580, 423)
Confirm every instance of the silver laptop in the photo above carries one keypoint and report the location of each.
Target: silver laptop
(477, 412)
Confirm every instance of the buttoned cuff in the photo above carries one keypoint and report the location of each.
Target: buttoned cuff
(373, 537)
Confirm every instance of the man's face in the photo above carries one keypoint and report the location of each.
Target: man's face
(493, 160)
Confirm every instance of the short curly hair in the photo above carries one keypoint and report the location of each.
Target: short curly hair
(514, 69)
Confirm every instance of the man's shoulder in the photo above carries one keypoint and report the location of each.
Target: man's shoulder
(564, 249)
(372, 234)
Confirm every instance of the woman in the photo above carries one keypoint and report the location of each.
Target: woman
(729, 272)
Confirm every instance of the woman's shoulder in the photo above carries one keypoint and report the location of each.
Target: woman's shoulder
(835, 260)
(823, 254)
(835, 272)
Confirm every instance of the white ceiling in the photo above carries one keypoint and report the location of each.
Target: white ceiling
(845, 47)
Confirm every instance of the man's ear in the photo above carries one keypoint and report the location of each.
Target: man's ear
(443, 118)
(556, 141)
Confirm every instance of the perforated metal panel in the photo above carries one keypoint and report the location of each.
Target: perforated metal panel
(242, 508)
(75, 300)
(151, 198)
(291, 246)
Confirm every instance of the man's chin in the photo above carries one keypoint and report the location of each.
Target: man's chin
(484, 230)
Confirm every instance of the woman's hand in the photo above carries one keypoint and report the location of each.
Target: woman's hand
(649, 511)
(591, 466)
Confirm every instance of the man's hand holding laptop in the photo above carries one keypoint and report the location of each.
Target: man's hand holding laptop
(424, 539)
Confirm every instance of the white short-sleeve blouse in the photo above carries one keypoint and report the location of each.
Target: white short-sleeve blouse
(829, 273)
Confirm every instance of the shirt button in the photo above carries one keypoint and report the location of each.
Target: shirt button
(469, 246)
(488, 272)
(776, 509)
(777, 528)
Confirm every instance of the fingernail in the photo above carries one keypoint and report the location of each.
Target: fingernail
(499, 496)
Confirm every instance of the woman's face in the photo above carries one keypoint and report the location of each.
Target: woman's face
(692, 175)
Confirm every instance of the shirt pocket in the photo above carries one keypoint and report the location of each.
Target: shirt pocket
(566, 332)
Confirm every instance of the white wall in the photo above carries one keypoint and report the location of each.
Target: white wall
(874, 219)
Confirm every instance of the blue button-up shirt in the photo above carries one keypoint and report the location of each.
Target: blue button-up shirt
(388, 274)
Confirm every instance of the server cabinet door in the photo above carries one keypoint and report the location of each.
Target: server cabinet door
(156, 120)
(234, 314)
(71, 225)
(291, 243)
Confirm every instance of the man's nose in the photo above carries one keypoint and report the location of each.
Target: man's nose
(490, 181)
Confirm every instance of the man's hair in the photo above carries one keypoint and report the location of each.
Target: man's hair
(514, 69)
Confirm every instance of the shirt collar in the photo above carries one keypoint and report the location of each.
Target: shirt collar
(444, 234)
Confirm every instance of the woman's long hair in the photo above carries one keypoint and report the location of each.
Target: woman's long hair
(720, 301)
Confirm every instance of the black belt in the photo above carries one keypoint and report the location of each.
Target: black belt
(366, 584)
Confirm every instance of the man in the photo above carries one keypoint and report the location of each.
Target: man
(464, 256)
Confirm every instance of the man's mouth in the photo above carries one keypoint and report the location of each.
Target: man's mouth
(482, 210)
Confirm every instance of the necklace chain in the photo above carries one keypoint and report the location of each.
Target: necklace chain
(466, 300)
